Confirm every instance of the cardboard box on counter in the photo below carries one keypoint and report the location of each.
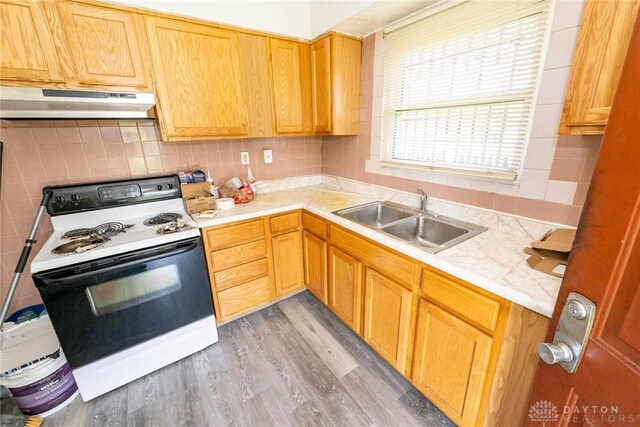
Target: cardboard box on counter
(197, 197)
(551, 253)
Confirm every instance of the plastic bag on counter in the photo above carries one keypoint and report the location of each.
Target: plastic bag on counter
(244, 194)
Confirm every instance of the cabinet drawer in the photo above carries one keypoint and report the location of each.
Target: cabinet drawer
(460, 299)
(244, 297)
(314, 225)
(243, 273)
(230, 235)
(392, 265)
(229, 257)
(283, 223)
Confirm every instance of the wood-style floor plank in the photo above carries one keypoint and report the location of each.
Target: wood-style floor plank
(291, 364)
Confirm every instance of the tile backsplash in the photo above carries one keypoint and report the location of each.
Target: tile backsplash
(47, 152)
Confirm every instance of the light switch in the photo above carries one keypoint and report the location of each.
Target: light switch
(244, 157)
(268, 156)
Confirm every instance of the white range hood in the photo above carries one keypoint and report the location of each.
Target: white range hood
(37, 103)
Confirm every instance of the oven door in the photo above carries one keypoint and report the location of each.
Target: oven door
(102, 307)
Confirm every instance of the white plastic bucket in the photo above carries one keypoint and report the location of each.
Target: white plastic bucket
(42, 388)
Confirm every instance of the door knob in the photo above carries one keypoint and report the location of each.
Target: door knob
(555, 353)
(572, 333)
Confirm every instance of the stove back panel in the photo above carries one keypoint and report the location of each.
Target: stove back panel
(69, 199)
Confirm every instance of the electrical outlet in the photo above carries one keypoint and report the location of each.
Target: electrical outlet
(244, 157)
(268, 156)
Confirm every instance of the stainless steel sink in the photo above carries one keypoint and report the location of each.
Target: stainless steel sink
(377, 214)
(427, 231)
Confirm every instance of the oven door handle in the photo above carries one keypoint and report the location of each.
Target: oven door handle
(133, 262)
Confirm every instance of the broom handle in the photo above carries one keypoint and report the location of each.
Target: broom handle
(24, 255)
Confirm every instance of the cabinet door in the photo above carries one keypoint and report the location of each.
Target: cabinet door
(450, 363)
(315, 265)
(321, 84)
(257, 92)
(286, 84)
(345, 85)
(104, 45)
(27, 51)
(602, 47)
(345, 288)
(387, 318)
(198, 79)
(287, 262)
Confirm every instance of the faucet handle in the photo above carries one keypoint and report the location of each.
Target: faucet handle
(422, 192)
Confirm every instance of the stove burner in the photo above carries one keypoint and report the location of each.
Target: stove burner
(162, 218)
(108, 229)
(77, 233)
(80, 245)
(173, 227)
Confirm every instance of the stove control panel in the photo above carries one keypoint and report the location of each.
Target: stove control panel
(85, 197)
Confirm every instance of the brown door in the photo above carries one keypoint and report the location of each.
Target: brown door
(604, 267)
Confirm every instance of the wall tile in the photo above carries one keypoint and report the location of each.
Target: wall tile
(540, 153)
(555, 212)
(561, 47)
(110, 135)
(560, 192)
(90, 135)
(567, 14)
(68, 135)
(533, 184)
(553, 86)
(546, 119)
(566, 169)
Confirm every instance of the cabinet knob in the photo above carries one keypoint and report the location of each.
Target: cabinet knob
(555, 353)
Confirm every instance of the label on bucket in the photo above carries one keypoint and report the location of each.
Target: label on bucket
(46, 393)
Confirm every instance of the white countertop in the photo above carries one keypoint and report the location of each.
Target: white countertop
(493, 260)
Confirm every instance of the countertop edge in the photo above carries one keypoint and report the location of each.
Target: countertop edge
(490, 285)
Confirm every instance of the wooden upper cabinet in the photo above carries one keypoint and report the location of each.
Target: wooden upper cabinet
(602, 47)
(321, 84)
(289, 65)
(104, 45)
(198, 79)
(257, 92)
(335, 71)
(27, 51)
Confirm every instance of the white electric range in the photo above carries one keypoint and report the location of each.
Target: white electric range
(124, 279)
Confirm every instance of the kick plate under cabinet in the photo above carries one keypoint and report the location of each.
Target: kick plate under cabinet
(572, 333)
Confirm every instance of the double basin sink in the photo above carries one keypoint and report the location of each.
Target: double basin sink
(430, 232)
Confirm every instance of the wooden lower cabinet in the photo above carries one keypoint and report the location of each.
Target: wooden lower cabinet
(287, 263)
(450, 362)
(387, 318)
(315, 265)
(470, 352)
(345, 288)
(244, 297)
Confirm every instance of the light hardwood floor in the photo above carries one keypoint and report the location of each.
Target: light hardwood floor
(293, 363)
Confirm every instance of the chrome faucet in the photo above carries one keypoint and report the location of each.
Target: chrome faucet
(423, 200)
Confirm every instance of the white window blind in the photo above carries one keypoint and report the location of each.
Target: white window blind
(458, 87)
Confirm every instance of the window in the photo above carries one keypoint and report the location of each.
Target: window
(459, 86)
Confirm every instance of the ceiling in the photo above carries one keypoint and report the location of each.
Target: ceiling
(304, 19)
